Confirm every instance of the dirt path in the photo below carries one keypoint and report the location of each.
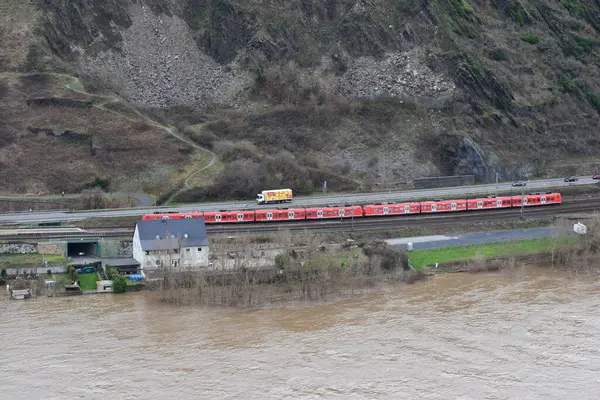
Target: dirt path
(77, 86)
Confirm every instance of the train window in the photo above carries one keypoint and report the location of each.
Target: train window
(320, 213)
(342, 212)
(454, 206)
(291, 215)
(434, 207)
(240, 217)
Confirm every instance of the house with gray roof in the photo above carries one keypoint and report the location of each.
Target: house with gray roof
(180, 243)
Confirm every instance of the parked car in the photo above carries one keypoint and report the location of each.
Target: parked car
(519, 183)
(596, 177)
(571, 179)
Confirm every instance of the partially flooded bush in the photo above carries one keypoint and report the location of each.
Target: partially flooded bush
(305, 270)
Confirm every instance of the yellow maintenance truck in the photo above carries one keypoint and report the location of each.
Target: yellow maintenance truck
(274, 196)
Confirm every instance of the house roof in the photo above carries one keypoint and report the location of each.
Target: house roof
(169, 234)
(120, 262)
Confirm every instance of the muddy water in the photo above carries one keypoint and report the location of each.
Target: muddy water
(460, 336)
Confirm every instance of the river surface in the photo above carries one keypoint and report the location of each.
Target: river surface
(534, 335)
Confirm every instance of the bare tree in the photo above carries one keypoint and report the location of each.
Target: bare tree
(93, 199)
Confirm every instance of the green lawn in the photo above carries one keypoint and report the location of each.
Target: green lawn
(29, 260)
(421, 258)
(88, 281)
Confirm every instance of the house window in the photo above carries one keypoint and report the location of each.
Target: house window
(175, 250)
(174, 262)
(147, 252)
(187, 250)
(199, 248)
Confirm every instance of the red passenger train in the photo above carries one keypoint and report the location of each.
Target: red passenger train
(369, 210)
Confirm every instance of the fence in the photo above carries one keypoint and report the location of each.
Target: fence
(444, 181)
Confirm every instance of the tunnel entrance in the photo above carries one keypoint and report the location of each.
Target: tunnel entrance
(82, 249)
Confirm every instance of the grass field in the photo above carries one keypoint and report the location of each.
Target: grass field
(422, 258)
(88, 281)
(29, 260)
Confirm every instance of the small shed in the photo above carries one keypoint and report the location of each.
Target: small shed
(104, 286)
(125, 266)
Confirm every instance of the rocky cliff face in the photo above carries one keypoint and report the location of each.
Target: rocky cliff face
(390, 89)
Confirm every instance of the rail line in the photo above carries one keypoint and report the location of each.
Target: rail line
(361, 224)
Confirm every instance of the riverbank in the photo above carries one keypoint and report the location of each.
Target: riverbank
(421, 259)
(301, 268)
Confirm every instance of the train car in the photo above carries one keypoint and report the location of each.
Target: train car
(443, 206)
(377, 210)
(276, 214)
(536, 199)
(225, 217)
(489, 203)
(148, 217)
(334, 212)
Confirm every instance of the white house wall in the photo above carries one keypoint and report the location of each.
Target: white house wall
(194, 258)
(138, 253)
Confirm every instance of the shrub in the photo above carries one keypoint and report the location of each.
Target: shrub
(462, 7)
(533, 39)
(280, 261)
(390, 258)
(594, 99)
(3, 273)
(119, 281)
(205, 139)
(93, 199)
(575, 8)
(498, 54)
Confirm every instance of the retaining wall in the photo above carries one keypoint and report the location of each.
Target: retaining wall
(444, 181)
(18, 248)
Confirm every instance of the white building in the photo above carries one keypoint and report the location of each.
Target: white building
(176, 242)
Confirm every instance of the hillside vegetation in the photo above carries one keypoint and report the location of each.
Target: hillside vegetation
(361, 94)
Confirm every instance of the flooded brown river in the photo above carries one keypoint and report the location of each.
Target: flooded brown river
(458, 336)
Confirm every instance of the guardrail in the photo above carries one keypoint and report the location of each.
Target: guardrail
(65, 210)
(478, 186)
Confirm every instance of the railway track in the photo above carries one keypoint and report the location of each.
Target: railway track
(347, 224)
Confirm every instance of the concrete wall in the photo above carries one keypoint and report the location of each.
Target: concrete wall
(126, 249)
(18, 248)
(108, 248)
(444, 181)
(57, 248)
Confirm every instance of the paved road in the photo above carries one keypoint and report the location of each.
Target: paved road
(432, 242)
(145, 200)
(532, 186)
